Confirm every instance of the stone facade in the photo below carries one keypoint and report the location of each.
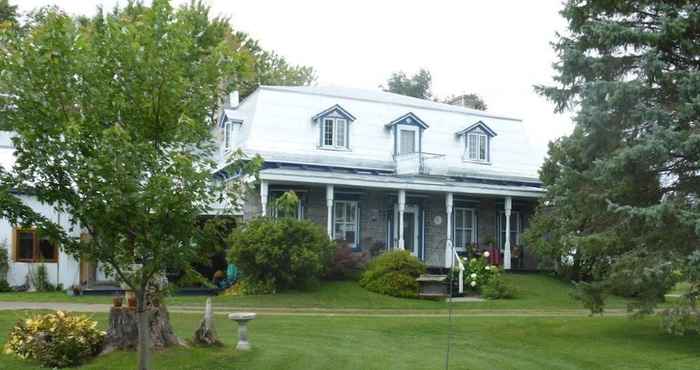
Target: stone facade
(376, 214)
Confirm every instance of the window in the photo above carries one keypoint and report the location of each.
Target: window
(464, 228)
(29, 247)
(230, 129)
(335, 132)
(345, 223)
(515, 228)
(477, 147)
(408, 142)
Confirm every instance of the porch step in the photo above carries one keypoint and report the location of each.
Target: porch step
(432, 286)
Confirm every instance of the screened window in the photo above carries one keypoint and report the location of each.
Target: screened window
(515, 229)
(29, 247)
(346, 221)
(335, 133)
(408, 142)
(477, 147)
(464, 228)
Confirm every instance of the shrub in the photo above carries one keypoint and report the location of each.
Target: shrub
(4, 268)
(346, 264)
(591, 294)
(275, 255)
(478, 272)
(192, 278)
(497, 288)
(55, 340)
(393, 273)
(39, 279)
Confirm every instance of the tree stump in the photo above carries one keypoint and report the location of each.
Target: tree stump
(206, 333)
(123, 333)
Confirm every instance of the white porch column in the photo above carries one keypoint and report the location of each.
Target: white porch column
(506, 252)
(329, 205)
(402, 208)
(263, 196)
(449, 245)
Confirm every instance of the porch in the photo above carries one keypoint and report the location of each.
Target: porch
(373, 211)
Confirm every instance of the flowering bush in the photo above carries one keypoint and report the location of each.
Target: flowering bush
(478, 272)
(55, 340)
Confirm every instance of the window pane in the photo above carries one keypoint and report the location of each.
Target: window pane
(340, 132)
(408, 142)
(472, 146)
(47, 250)
(468, 219)
(482, 147)
(25, 245)
(459, 218)
(227, 135)
(339, 211)
(328, 132)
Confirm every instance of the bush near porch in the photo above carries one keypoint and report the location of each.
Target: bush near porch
(393, 273)
(277, 255)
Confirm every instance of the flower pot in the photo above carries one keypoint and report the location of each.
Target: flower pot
(132, 302)
(117, 301)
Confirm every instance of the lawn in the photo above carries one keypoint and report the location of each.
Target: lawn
(535, 291)
(292, 342)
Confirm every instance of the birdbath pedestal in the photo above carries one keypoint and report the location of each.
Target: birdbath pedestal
(242, 319)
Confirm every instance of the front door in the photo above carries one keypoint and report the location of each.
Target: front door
(411, 227)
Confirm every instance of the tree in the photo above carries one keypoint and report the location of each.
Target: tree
(621, 202)
(472, 101)
(8, 13)
(113, 118)
(270, 68)
(417, 86)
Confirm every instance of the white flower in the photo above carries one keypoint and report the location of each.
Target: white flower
(473, 284)
(487, 254)
(487, 268)
(473, 276)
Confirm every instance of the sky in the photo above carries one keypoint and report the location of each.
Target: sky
(497, 49)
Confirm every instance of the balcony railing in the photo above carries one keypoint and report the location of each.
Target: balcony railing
(429, 164)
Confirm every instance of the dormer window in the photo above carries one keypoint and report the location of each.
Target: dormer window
(477, 147)
(335, 133)
(334, 128)
(408, 132)
(230, 127)
(477, 142)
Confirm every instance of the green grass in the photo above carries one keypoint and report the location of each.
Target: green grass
(339, 343)
(535, 291)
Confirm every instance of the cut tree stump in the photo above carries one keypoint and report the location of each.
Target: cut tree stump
(123, 333)
(206, 333)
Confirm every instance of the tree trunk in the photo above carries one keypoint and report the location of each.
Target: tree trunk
(144, 332)
(124, 329)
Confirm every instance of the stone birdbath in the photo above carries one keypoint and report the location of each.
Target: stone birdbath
(242, 319)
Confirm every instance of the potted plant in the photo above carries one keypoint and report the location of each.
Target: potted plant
(117, 300)
(76, 290)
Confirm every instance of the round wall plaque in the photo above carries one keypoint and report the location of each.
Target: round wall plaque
(437, 220)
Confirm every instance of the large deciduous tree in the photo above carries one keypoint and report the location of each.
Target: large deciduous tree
(113, 118)
(417, 86)
(622, 189)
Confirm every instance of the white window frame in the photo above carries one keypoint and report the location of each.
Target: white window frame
(467, 147)
(416, 138)
(228, 133)
(355, 222)
(463, 227)
(336, 123)
(517, 228)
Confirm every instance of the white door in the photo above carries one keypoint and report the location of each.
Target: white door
(410, 229)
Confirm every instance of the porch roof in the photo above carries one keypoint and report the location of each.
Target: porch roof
(362, 178)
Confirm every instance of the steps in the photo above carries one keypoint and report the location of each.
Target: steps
(433, 286)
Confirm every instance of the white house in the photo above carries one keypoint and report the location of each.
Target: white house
(381, 170)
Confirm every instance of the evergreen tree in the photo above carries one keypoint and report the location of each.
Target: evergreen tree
(622, 189)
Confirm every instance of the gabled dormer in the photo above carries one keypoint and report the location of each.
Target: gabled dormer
(230, 123)
(408, 133)
(477, 142)
(334, 128)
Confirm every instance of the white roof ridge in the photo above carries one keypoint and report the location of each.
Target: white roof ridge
(389, 98)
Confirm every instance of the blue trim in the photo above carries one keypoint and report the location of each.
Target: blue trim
(408, 119)
(334, 109)
(480, 124)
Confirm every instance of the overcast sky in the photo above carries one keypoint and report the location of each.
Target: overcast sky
(496, 48)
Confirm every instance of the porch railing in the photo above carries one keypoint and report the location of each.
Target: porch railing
(460, 265)
(421, 164)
